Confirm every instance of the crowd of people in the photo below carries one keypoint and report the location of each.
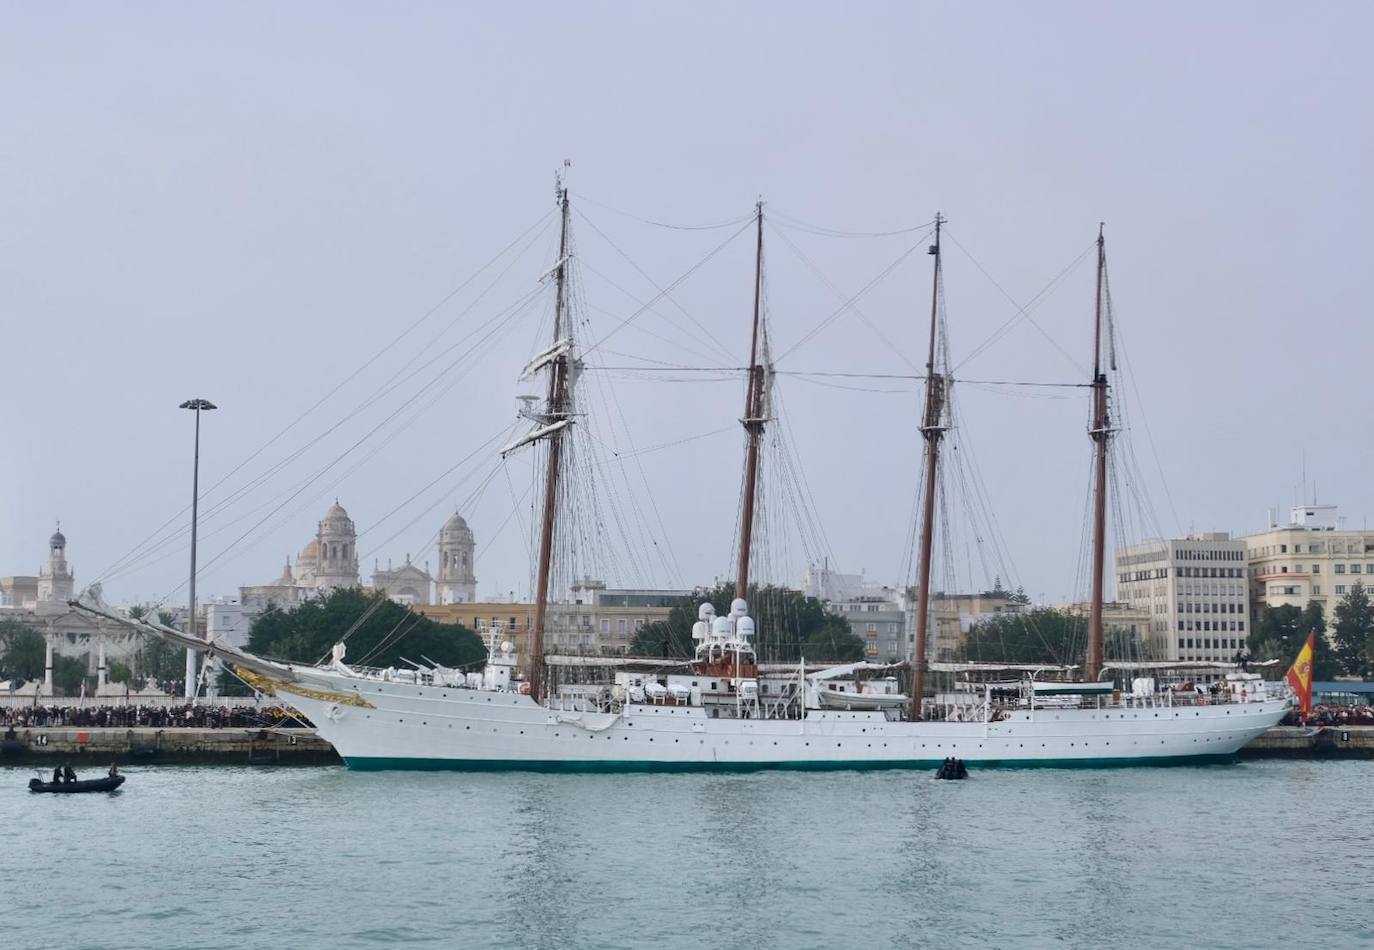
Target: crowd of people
(161, 717)
(1330, 716)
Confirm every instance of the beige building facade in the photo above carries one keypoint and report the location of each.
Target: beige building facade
(954, 615)
(1312, 558)
(599, 621)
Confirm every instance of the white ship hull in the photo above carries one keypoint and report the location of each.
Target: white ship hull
(396, 726)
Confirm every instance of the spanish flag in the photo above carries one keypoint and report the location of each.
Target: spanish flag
(1300, 674)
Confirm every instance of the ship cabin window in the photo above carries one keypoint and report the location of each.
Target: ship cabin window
(713, 684)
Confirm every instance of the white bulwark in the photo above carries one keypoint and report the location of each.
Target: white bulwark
(1194, 591)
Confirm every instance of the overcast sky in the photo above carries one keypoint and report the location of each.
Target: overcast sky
(248, 203)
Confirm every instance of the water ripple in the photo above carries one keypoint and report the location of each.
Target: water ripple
(304, 858)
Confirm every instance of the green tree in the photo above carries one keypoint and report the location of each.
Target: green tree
(120, 672)
(1042, 635)
(68, 673)
(1282, 631)
(386, 634)
(998, 590)
(788, 626)
(1276, 635)
(160, 661)
(22, 651)
(1354, 632)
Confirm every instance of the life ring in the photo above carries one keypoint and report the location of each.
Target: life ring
(523, 689)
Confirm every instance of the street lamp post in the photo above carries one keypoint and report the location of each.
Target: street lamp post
(198, 405)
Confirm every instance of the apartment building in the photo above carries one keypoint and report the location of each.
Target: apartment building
(1312, 558)
(1193, 591)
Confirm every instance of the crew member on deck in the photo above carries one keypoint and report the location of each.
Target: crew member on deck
(68, 773)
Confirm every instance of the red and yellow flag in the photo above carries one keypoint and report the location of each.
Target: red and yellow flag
(1300, 674)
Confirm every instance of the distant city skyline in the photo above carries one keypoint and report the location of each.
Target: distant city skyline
(250, 205)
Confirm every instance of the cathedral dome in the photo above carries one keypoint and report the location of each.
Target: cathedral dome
(336, 514)
(310, 553)
(456, 527)
(58, 540)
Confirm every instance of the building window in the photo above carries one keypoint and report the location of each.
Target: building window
(1356, 568)
(1316, 568)
(1340, 568)
(1340, 589)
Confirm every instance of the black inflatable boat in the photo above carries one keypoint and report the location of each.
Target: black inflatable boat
(107, 784)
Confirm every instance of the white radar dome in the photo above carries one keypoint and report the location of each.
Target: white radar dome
(721, 628)
(738, 607)
(744, 628)
(700, 630)
(507, 646)
(706, 611)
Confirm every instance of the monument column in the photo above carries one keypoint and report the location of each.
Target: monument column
(100, 671)
(47, 668)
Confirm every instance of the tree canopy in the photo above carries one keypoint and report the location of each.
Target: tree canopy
(1282, 631)
(388, 633)
(1042, 635)
(1353, 627)
(22, 651)
(788, 626)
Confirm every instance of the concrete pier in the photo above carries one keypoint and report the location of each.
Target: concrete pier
(93, 748)
(1310, 742)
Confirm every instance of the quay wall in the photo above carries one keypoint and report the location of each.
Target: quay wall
(91, 747)
(1309, 742)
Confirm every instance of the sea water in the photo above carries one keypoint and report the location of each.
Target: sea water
(1255, 854)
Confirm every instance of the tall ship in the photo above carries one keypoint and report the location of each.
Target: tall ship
(726, 707)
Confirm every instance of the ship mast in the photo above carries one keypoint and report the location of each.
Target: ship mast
(556, 411)
(754, 417)
(1100, 432)
(931, 431)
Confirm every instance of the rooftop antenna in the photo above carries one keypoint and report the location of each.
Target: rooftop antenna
(1304, 474)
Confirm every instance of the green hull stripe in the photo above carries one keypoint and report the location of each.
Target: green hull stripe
(375, 764)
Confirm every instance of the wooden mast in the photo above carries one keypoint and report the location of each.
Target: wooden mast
(753, 423)
(1099, 433)
(556, 411)
(931, 431)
